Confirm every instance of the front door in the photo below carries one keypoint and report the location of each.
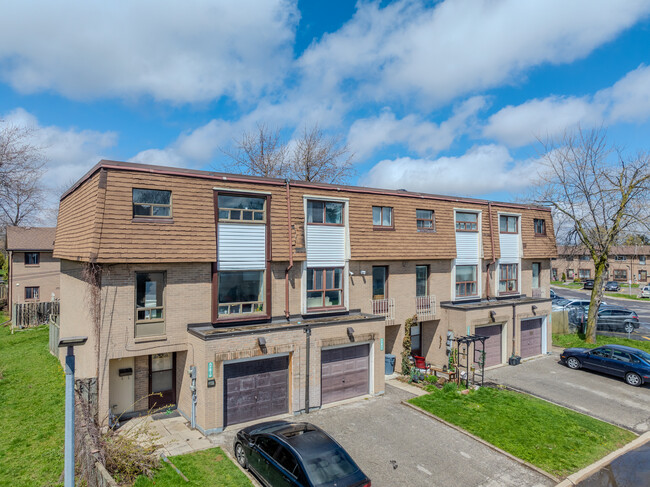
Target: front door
(162, 380)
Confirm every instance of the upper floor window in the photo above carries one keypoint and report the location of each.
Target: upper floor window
(241, 292)
(508, 278)
(620, 257)
(421, 280)
(152, 203)
(149, 305)
(642, 259)
(425, 220)
(540, 226)
(508, 224)
(241, 209)
(569, 258)
(466, 284)
(32, 292)
(466, 222)
(620, 274)
(324, 212)
(32, 258)
(585, 257)
(382, 216)
(379, 282)
(324, 288)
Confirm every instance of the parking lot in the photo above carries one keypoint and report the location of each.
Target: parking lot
(598, 395)
(396, 445)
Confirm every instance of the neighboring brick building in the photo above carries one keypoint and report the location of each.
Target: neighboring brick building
(626, 262)
(33, 272)
(285, 295)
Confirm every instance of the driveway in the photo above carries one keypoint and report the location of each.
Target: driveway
(598, 395)
(396, 445)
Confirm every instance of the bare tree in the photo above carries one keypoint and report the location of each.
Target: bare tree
(321, 158)
(601, 191)
(21, 163)
(260, 153)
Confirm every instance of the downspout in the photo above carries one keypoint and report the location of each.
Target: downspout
(286, 272)
(487, 278)
(10, 293)
(514, 321)
(307, 360)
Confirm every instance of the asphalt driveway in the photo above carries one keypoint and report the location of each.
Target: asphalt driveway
(598, 395)
(396, 445)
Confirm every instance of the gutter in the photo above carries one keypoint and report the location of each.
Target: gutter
(289, 267)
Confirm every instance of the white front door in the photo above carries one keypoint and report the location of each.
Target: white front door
(121, 392)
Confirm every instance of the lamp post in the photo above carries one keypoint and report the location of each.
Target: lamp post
(69, 343)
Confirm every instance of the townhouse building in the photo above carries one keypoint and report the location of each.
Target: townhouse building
(33, 271)
(282, 296)
(626, 263)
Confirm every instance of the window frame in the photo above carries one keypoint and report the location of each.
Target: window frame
(242, 315)
(620, 258)
(381, 218)
(463, 224)
(426, 280)
(325, 289)
(432, 228)
(572, 272)
(35, 296)
(325, 202)
(465, 283)
(507, 220)
(642, 262)
(236, 194)
(37, 259)
(643, 275)
(160, 321)
(541, 221)
(617, 273)
(581, 271)
(151, 216)
(385, 269)
(508, 278)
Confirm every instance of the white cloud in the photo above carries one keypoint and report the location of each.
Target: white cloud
(483, 169)
(70, 153)
(420, 136)
(629, 97)
(169, 50)
(458, 47)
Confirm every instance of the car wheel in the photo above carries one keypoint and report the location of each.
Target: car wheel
(240, 454)
(573, 363)
(629, 327)
(633, 379)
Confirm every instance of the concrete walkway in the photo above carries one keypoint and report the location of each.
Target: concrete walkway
(172, 434)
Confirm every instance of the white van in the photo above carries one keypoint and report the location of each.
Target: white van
(645, 292)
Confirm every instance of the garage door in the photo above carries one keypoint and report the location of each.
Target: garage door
(256, 389)
(344, 372)
(531, 337)
(493, 354)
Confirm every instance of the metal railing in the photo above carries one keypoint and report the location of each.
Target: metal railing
(425, 307)
(384, 307)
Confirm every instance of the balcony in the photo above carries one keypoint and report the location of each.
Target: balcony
(384, 307)
(425, 308)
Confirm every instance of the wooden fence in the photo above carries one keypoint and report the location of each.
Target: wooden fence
(25, 315)
(54, 335)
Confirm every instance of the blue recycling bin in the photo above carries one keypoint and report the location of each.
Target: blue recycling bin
(390, 364)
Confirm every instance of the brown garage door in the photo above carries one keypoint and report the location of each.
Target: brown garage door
(492, 344)
(531, 337)
(344, 373)
(256, 389)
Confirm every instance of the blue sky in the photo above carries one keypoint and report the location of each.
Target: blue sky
(444, 97)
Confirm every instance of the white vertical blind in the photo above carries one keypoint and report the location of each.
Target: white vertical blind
(509, 245)
(241, 247)
(467, 251)
(325, 246)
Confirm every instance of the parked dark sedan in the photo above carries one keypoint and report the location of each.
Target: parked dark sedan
(612, 286)
(588, 284)
(283, 454)
(630, 363)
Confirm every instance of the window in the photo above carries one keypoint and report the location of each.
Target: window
(32, 292)
(267, 445)
(149, 305)
(324, 212)
(466, 222)
(382, 216)
(421, 280)
(152, 203)
(569, 258)
(540, 226)
(585, 257)
(379, 284)
(324, 288)
(416, 342)
(286, 460)
(536, 270)
(584, 273)
(466, 281)
(554, 273)
(569, 274)
(641, 259)
(508, 224)
(620, 274)
(32, 258)
(508, 278)
(643, 276)
(425, 220)
(621, 356)
(620, 257)
(601, 352)
(234, 208)
(241, 292)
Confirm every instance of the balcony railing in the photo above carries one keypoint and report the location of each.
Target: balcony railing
(384, 307)
(425, 307)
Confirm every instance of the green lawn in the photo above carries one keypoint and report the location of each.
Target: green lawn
(32, 406)
(551, 437)
(578, 340)
(568, 285)
(206, 467)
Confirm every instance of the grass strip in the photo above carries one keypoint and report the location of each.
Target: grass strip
(578, 340)
(553, 438)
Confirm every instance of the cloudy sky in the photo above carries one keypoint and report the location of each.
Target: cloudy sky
(444, 97)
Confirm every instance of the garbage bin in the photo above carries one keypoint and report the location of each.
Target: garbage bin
(390, 364)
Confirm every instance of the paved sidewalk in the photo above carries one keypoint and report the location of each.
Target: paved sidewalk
(174, 434)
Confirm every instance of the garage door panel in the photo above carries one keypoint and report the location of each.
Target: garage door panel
(531, 337)
(344, 373)
(493, 352)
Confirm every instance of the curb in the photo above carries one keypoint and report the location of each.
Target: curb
(588, 471)
(489, 445)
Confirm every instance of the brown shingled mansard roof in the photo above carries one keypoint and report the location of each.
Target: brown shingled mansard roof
(30, 238)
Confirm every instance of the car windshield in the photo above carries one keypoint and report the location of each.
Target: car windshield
(328, 466)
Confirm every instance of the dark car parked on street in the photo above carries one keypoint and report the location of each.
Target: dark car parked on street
(612, 286)
(609, 318)
(630, 363)
(283, 454)
(588, 284)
